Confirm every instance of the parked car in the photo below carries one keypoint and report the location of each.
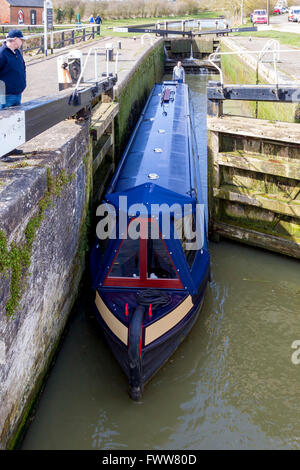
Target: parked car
(294, 13)
(259, 16)
(280, 10)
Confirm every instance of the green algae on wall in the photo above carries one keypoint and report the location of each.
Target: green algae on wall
(235, 71)
(18, 258)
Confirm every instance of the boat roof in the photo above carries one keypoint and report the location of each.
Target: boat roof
(159, 149)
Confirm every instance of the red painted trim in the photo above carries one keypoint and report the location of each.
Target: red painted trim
(136, 282)
(114, 260)
(160, 234)
(143, 281)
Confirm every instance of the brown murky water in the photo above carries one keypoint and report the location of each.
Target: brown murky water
(230, 385)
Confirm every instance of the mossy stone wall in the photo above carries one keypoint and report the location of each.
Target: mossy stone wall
(44, 209)
(133, 92)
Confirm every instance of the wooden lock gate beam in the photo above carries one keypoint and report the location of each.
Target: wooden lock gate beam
(21, 123)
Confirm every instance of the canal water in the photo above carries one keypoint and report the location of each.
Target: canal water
(231, 385)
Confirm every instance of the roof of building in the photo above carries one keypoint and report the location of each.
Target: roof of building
(26, 3)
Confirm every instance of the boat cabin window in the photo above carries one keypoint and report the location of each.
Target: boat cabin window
(186, 229)
(159, 264)
(127, 262)
(145, 262)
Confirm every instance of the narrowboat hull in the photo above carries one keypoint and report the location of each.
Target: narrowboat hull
(151, 273)
(149, 358)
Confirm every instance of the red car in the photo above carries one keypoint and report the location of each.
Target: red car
(280, 11)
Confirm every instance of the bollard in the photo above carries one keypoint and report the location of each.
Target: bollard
(157, 26)
(109, 51)
(119, 45)
(51, 41)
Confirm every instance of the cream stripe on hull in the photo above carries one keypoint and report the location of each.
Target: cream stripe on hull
(160, 327)
(152, 332)
(117, 327)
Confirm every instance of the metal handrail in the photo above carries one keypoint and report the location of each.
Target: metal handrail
(213, 57)
(38, 35)
(94, 49)
(148, 36)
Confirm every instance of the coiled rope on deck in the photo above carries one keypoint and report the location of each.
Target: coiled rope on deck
(154, 297)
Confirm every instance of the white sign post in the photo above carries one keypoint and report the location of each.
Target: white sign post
(48, 22)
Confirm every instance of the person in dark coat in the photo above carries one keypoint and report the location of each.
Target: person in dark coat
(12, 70)
(98, 20)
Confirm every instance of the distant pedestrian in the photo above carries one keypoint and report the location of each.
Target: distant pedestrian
(91, 19)
(98, 21)
(179, 73)
(12, 69)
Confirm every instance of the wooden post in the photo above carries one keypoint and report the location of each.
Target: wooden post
(93, 32)
(214, 203)
(183, 26)
(51, 42)
(63, 39)
(73, 36)
(83, 34)
(214, 108)
(157, 26)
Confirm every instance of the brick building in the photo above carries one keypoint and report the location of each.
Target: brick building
(21, 11)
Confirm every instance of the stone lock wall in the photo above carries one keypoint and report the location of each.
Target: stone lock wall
(132, 93)
(44, 201)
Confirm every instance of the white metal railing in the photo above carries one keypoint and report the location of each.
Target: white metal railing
(24, 26)
(95, 50)
(271, 47)
(51, 34)
(147, 36)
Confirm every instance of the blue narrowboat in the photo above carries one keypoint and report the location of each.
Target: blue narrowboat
(150, 264)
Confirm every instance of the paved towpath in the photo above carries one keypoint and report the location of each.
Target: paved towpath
(42, 79)
(280, 23)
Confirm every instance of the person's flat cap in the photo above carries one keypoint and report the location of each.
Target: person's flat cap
(15, 33)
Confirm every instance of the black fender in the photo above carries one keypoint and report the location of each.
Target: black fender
(134, 359)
